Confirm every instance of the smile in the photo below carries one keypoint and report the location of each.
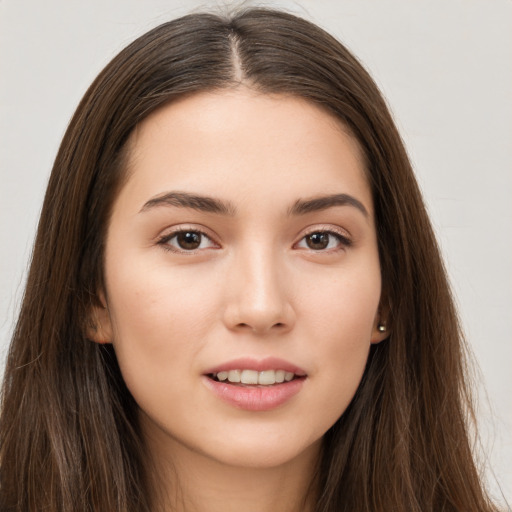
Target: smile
(254, 377)
(255, 385)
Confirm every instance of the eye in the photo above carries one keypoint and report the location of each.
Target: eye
(187, 240)
(323, 240)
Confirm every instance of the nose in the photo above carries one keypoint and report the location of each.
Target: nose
(258, 295)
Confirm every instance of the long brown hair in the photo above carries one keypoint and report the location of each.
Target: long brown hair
(69, 437)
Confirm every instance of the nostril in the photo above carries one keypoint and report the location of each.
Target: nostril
(244, 325)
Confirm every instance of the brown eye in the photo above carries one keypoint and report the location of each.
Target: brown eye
(318, 241)
(187, 241)
(324, 241)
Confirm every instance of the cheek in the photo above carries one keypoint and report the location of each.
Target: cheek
(156, 302)
(341, 328)
(159, 324)
(344, 306)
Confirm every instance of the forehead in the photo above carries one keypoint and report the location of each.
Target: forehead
(247, 144)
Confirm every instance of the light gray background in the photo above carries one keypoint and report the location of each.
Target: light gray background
(445, 67)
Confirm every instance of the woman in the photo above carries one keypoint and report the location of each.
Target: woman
(236, 298)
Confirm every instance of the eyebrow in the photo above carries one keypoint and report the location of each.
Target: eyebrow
(193, 201)
(213, 205)
(303, 206)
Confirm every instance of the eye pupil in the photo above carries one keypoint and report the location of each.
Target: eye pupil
(188, 240)
(317, 240)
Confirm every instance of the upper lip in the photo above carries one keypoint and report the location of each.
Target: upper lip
(260, 365)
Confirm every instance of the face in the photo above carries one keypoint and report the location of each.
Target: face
(242, 276)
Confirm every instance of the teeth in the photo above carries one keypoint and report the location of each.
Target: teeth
(280, 376)
(264, 378)
(249, 377)
(222, 375)
(267, 377)
(234, 375)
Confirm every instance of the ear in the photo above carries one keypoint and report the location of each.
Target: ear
(381, 325)
(99, 324)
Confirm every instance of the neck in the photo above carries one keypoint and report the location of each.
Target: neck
(187, 481)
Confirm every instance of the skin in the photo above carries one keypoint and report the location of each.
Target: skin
(252, 288)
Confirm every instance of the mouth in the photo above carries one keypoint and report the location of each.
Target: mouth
(247, 377)
(256, 385)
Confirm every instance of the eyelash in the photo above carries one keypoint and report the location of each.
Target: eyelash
(343, 240)
(163, 241)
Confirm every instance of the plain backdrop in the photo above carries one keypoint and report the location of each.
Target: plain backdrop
(445, 67)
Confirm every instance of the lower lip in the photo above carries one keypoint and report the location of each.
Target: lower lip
(255, 398)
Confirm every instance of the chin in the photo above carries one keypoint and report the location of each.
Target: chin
(263, 452)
